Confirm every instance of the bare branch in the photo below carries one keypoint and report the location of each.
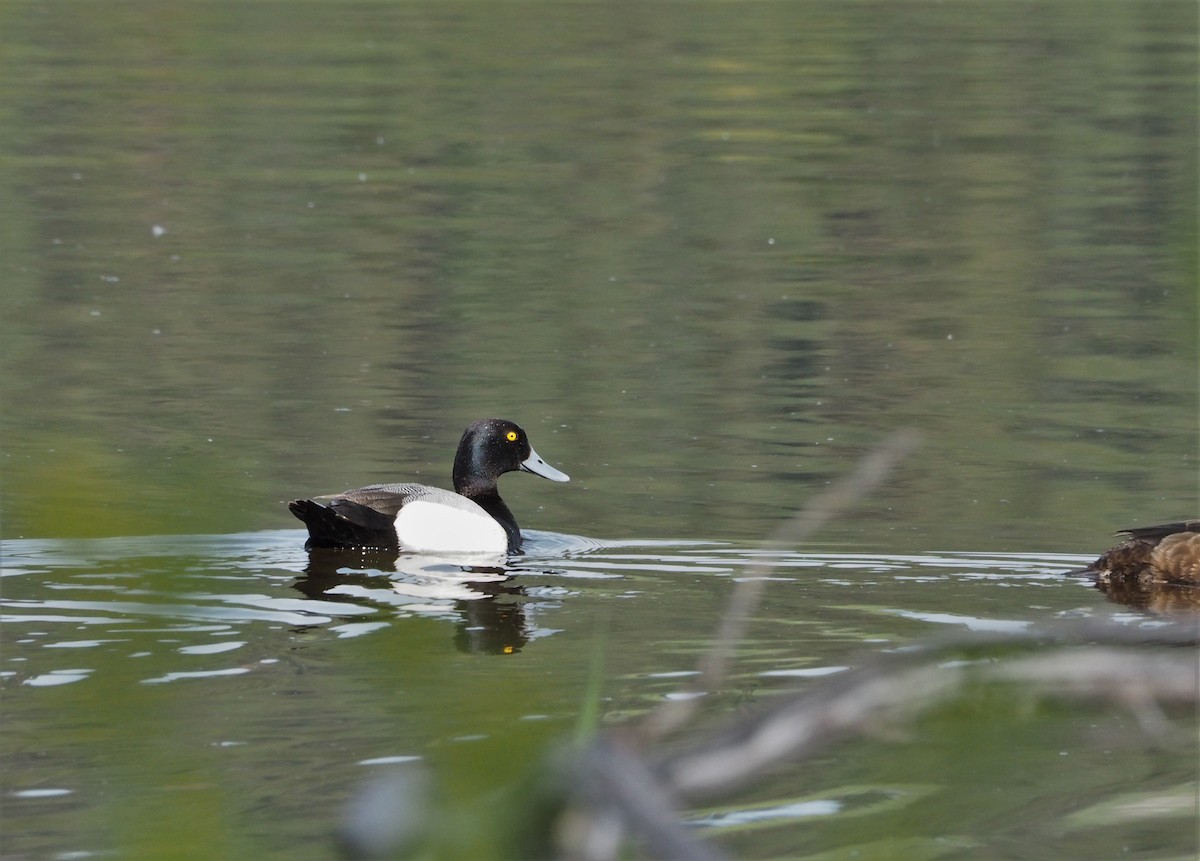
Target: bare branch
(616, 795)
(895, 687)
(747, 593)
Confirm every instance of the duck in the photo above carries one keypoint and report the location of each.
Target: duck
(1167, 553)
(417, 518)
(1155, 569)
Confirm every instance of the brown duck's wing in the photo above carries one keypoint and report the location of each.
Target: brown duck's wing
(1177, 558)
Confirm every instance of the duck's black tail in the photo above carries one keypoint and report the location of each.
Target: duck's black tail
(343, 523)
(1157, 533)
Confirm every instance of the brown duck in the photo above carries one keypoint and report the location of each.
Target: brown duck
(1155, 567)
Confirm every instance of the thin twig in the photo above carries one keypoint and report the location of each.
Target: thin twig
(747, 593)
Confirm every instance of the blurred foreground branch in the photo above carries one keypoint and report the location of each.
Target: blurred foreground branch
(620, 797)
(747, 593)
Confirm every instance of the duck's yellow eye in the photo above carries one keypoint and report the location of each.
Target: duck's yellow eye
(511, 436)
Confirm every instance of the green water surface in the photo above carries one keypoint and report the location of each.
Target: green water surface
(707, 254)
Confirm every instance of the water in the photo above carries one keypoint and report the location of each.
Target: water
(240, 670)
(708, 255)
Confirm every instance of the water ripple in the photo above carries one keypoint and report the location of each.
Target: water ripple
(144, 598)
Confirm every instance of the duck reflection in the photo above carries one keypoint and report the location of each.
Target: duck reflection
(486, 605)
(1155, 568)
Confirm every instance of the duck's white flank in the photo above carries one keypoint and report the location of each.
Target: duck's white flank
(433, 527)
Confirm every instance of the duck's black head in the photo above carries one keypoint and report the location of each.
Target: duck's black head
(491, 447)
